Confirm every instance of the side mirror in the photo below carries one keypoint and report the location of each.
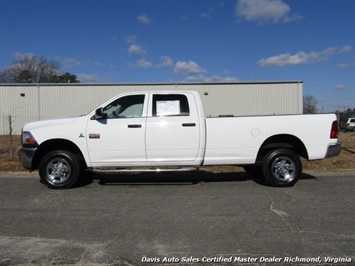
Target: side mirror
(99, 114)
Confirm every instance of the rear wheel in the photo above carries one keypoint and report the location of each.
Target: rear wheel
(256, 173)
(59, 169)
(281, 168)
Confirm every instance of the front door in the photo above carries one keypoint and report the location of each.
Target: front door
(118, 138)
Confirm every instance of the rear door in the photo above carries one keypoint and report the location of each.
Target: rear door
(172, 129)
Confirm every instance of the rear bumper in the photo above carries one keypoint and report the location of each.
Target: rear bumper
(26, 155)
(333, 150)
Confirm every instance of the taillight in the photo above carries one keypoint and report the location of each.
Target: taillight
(334, 131)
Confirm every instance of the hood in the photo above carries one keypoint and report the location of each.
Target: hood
(54, 122)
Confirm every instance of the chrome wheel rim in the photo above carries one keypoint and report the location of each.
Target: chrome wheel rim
(283, 169)
(58, 171)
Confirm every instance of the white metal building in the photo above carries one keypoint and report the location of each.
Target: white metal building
(31, 102)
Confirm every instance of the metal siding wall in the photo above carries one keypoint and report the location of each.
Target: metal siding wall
(22, 109)
(239, 99)
(58, 101)
(251, 99)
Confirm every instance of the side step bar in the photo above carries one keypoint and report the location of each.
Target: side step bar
(146, 170)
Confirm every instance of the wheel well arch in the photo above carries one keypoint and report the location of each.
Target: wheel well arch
(56, 144)
(284, 141)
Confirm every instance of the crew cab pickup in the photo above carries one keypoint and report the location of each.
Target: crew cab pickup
(167, 131)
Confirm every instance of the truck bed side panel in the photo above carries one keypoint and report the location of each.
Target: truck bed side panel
(237, 140)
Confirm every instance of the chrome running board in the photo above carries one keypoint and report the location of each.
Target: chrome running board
(138, 170)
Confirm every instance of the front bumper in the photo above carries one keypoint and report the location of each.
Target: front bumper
(333, 150)
(26, 155)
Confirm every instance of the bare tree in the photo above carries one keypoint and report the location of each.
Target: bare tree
(10, 117)
(10, 134)
(310, 104)
(30, 68)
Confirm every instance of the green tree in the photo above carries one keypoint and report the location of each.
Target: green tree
(65, 78)
(24, 77)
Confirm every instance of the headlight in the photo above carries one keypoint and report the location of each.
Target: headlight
(28, 139)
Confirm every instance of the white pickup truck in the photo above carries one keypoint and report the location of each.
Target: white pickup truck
(167, 131)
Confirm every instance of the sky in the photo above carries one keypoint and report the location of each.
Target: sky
(145, 41)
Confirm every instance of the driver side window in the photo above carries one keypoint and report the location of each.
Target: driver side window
(125, 107)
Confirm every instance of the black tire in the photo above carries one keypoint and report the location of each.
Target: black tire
(59, 169)
(253, 170)
(281, 168)
(256, 173)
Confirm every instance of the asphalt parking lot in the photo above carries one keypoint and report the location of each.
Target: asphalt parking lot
(178, 219)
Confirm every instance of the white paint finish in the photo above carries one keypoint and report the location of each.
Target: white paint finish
(117, 143)
(168, 140)
(164, 141)
(173, 138)
(230, 139)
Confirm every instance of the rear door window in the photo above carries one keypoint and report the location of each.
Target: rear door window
(170, 105)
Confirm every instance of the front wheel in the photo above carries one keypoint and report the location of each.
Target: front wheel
(281, 168)
(59, 169)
